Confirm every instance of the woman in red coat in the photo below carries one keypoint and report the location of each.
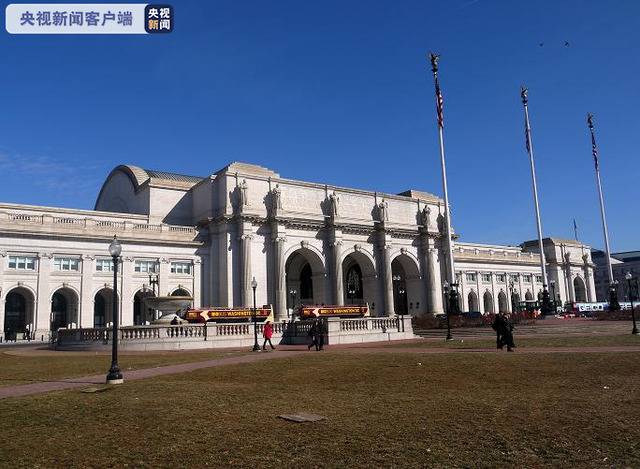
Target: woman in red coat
(267, 333)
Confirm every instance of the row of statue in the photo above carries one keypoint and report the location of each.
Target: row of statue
(274, 204)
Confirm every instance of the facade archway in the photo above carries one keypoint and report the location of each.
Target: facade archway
(472, 301)
(407, 291)
(103, 308)
(528, 296)
(580, 289)
(359, 279)
(19, 310)
(141, 313)
(487, 300)
(503, 306)
(64, 308)
(305, 275)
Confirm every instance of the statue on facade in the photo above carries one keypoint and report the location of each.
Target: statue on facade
(426, 216)
(383, 209)
(243, 188)
(274, 201)
(334, 199)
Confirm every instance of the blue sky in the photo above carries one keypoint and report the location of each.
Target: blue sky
(341, 92)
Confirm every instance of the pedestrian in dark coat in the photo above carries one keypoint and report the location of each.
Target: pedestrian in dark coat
(320, 330)
(498, 326)
(507, 334)
(313, 334)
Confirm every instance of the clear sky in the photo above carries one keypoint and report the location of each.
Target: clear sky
(341, 92)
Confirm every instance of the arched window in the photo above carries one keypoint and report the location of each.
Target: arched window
(180, 292)
(580, 289)
(473, 301)
(354, 284)
(59, 311)
(488, 303)
(306, 283)
(503, 307)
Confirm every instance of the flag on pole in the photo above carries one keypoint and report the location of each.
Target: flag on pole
(575, 229)
(439, 105)
(527, 137)
(439, 101)
(594, 147)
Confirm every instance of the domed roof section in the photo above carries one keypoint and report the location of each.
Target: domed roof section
(126, 188)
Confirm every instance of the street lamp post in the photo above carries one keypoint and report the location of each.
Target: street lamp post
(256, 347)
(293, 292)
(115, 376)
(445, 286)
(628, 276)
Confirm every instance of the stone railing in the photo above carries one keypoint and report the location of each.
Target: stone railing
(234, 335)
(98, 225)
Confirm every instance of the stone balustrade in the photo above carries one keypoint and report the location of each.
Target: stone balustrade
(93, 223)
(234, 335)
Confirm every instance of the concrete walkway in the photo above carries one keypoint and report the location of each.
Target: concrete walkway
(283, 351)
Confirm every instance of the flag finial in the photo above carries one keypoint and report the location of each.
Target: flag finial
(524, 94)
(433, 58)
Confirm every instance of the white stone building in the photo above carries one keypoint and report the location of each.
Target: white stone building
(209, 237)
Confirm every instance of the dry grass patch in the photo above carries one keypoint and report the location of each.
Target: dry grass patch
(525, 342)
(454, 410)
(19, 366)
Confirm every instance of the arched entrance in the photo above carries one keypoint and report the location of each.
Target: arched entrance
(472, 299)
(64, 309)
(580, 289)
(487, 300)
(503, 307)
(18, 313)
(359, 276)
(407, 296)
(103, 308)
(528, 296)
(305, 278)
(515, 301)
(141, 313)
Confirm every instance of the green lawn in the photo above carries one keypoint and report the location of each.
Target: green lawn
(24, 368)
(526, 342)
(382, 409)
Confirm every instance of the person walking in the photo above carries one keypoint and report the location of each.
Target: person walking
(507, 334)
(498, 326)
(313, 334)
(320, 339)
(267, 332)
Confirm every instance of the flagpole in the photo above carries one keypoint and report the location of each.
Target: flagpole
(453, 305)
(546, 307)
(614, 305)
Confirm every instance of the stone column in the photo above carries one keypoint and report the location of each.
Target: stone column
(3, 293)
(279, 283)
(197, 283)
(85, 315)
(388, 281)
(246, 294)
(126, 291)
(42, 313)
(338, 283)
(433, 278)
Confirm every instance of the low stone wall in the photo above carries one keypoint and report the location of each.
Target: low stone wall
(233, 335)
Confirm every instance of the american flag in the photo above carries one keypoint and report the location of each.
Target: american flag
(594, 147)
(439, 105)
(527, 141)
